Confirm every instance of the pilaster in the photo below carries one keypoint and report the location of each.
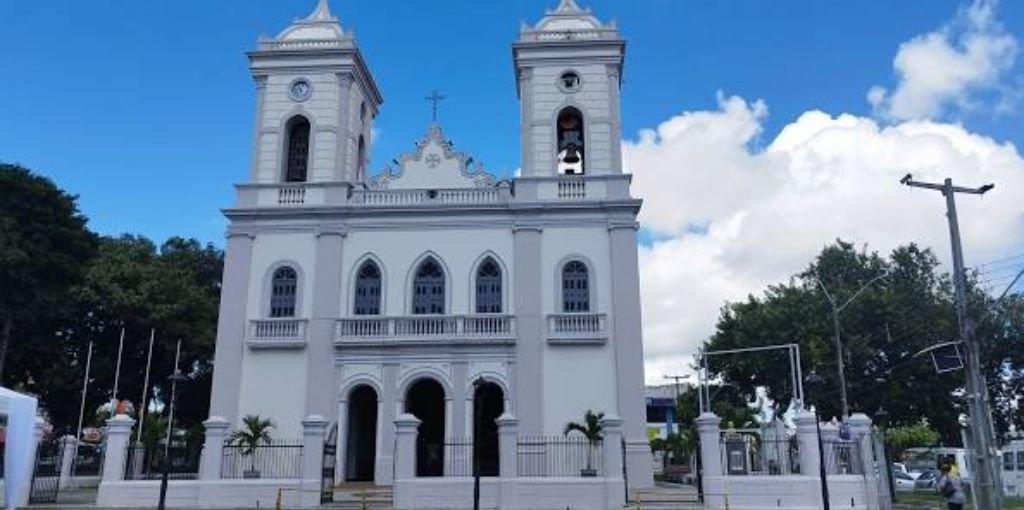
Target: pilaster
(388, 406)
(529, 328)
(260, 82)
(341, 164)
(213, 448)
(68, 452)
(327, 289)
(231, 325)
(628, 344)
(807, 438)
(709, 429)
(119, 428)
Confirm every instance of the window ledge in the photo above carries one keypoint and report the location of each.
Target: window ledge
(581, 340)
(276, 344)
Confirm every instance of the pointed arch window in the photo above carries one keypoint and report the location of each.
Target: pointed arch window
(297, 157)
(575, 287)
(488, 287)
(428, 289)
(570, 141)
(368, 280)
(283, 288)
(361, 161)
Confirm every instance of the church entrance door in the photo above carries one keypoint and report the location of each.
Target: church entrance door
(488, 404)
(425, 400)
(361, 443)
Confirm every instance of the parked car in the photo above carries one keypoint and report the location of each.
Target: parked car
(927, 479)
(904, 482)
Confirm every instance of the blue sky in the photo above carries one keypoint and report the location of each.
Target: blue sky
(144, 109)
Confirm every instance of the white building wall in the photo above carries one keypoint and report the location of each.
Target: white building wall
(270, 250)
(398, 251)
(274, 386)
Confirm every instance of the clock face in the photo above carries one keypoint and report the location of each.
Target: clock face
(300, 90)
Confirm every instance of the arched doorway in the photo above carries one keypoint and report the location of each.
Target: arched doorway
(488, 404)
(361, 440)
(425, 400)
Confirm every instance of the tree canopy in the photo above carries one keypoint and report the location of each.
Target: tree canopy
(892, 320)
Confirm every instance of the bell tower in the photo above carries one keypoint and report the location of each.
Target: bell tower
(568, 68)
(315, 104)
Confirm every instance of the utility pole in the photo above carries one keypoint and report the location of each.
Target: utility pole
(983, 458)
(675, 404)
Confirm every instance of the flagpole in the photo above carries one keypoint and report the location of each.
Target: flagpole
(85, 387)
(117, 374)
(145, 386)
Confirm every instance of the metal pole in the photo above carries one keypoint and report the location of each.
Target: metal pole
(984, 459)
(477, 444)
(170, 427)
(145, 387)
(85, 388)
(839, 359)
(117, 373)
(825, 504)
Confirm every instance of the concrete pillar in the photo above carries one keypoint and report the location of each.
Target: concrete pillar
(708, 426)
(324, 311)
(119, 428)
(860, 433)
(231, 326)
(508, 444)
(406, 430)
(26, 489)
(314, 429)
(213, 448)
(68, 452)
(807, 438)
(615, 490)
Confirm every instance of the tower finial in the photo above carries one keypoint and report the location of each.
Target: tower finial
(321, 13)
(568, 6)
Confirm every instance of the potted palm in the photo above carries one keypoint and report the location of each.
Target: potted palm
(255, 430)
(592, 430)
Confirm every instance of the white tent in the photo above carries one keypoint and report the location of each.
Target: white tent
(20, 447)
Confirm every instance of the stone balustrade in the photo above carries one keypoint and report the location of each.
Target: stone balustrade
(429, 328)
(277, 333)
(577, 328)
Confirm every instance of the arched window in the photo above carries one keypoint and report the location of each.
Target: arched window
(367, 300)
(488, 287)
(283, 287)
(570, 141)
(297, 160)
(428, 289)
(361, 161)
(575, 287)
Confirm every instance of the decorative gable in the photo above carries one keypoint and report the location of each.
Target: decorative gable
(433, 165)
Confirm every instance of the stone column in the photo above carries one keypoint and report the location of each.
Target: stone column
(231, 326)
(860, 433)
(508, 439)
(406, 430)
(807, 438)
(615, 490)
(68, 452)
(530, 331)
(119, 428)
(326, 306)
(257, 129)
(25, 490)
(629, 353)
(345, 137)
(213, 448)
(387, 410)
(708, 426)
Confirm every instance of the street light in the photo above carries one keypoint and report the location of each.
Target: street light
(836, 310)
(174, 378)
(477, 444)
(883, 419)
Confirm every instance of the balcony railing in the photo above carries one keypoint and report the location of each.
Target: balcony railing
(277, 333)
(570, 328)
(425, 328)
(430, 197)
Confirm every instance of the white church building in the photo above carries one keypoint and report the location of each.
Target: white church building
(433, 289)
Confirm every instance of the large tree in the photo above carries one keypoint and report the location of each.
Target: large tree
(44, 247)
(892, 320)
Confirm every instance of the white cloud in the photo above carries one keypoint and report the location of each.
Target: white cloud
(943, 69)
(764, 212)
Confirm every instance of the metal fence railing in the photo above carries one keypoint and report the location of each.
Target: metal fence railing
(842, 457)
(458, 456)
(279, 459)
(147, 462)
(749, 452)
(549, 456)
(88, 460)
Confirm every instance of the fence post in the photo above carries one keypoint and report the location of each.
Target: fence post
(406, 430)
(118, 429)
(25, 491)
(708, 427)
(860, 432)
(807, 439)
(615, 489)
(68, 452)
(508, 459)
(213, 448)
(314, 429)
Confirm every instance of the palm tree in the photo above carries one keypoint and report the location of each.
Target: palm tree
(255, 430)
(592, 429)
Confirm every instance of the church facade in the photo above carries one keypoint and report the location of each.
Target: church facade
(433, 287)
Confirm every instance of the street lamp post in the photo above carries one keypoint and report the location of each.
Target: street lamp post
(836, 310)
(176, 377)
(814, 379)
(883, 417)
(477, 444)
